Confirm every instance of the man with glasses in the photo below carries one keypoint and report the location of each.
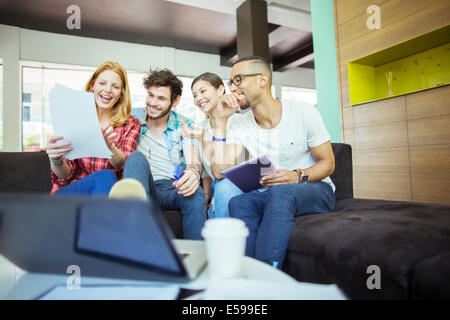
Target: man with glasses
(161, 150)
(294, 137)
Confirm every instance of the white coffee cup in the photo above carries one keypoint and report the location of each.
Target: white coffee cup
(225, 246)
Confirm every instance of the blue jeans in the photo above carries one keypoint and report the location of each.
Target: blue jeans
(224, 191)
(269, 216)
(193, 208)
(96, 184)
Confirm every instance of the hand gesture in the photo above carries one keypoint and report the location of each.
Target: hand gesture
(57, 149)
(188, 183)
(281, 177)
(195, 133)
(229, 104)
(109, 135)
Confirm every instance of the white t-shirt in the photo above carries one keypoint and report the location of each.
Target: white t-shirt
(206, 154)
(287, 145)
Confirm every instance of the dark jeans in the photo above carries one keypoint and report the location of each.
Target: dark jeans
(193, 208)
(269, 216)
(96, 184)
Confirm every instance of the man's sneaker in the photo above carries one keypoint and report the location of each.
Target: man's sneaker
(128, 189)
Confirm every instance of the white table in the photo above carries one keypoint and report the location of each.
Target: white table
(259, 281)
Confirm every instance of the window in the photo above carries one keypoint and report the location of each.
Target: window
(37, 82)
(137, 93)
(186, 105)
(39, 78)
(26, 106)
(299, 94)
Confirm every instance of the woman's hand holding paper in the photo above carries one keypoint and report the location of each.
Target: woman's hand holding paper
(57, 149)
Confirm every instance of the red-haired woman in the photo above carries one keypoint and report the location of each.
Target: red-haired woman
(95, 176)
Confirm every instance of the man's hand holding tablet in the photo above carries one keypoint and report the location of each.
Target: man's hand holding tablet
(247, 176)
(281, 177)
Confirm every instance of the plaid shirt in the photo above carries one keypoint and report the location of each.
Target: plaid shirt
(126, 141)
(173, 137)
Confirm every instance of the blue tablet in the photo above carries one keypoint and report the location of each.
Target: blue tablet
(246, 176)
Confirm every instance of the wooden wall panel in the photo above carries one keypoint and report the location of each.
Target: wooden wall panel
(378, 112)
(430, 159)
(431, 187)
(349, 138)
(391, 160)
(345, 96)
(348, 118)
(344, 85)
(429, 131)
(382, 136)
(389, 185)
(401, 146)
(428, 103)
(431, 18)
(348, 9)
(391, 12)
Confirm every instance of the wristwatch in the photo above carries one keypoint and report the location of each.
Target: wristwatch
(302, 176)
(57, 162)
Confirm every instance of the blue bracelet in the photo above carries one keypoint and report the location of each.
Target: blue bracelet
(215, 139)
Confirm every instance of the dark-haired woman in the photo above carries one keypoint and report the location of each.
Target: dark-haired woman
(207, 89)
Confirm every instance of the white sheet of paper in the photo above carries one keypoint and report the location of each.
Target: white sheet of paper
(74, 117)
(113, 292)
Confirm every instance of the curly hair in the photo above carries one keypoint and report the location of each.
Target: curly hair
(164, 78)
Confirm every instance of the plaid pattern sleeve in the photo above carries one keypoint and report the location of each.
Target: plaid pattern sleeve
(76, 173)
(126, 141)
(128, 136)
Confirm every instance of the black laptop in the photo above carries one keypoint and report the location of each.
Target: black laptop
(126, 239)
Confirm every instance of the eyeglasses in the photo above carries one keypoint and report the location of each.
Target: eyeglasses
(238, 78)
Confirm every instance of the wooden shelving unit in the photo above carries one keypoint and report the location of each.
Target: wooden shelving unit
(414, 65)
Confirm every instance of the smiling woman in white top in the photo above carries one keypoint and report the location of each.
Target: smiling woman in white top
(207, 89)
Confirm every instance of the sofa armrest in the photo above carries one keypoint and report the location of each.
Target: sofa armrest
(342, 176)
(25, 172)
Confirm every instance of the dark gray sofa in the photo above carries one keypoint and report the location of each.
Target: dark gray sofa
(29, 172)
(409, 242)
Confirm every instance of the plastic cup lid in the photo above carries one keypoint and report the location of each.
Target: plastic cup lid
(224, 227)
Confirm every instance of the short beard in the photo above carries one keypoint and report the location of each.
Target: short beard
(246, 105)
(161, 115)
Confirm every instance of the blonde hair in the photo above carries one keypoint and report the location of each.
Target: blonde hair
(121, 110)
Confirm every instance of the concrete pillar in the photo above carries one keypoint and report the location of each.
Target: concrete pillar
(253, 29)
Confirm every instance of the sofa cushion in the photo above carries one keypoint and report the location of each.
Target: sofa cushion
(431, 278)
(339, 247)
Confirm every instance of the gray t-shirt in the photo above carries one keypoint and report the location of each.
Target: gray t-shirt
(158, 157)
